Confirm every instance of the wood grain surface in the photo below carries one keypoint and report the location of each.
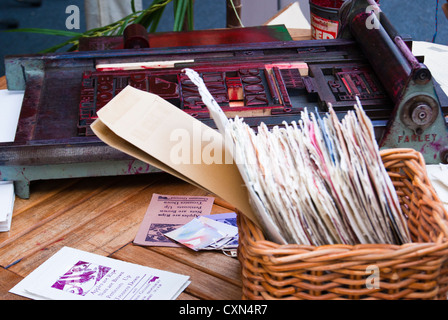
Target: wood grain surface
(102, 215)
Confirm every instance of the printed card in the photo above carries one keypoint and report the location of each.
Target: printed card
(168, 212)
(72, 274)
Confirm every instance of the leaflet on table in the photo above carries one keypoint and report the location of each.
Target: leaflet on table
(72, 274)
(168, 212)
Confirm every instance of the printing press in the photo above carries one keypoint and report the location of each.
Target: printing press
(257, 73)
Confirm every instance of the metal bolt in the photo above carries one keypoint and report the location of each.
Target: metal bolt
(422, 76)
(444, 156)
(421, 114)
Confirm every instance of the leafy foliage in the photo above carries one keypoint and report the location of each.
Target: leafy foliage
(149, 18)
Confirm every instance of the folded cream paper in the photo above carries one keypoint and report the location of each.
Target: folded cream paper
(149, 128)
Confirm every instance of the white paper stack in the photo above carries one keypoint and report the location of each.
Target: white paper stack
(318, 181)
(11, 103)
(321, 181)
(72, 274)
(7, 198)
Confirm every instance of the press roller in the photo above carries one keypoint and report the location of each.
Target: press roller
(417, 119)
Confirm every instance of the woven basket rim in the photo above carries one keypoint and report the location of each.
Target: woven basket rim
(287, 253)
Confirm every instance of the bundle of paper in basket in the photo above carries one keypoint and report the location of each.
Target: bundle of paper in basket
(317, 182)
(321, 181)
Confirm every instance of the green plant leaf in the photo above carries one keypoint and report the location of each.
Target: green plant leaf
(52, 32)
(179, 16)
(74, 41)
(133, 6)
(149, 18)
(125, 24)
(190, 15)
(156, 20)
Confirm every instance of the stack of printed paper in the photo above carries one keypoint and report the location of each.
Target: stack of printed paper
(11, 102)
(319, 181)
(7, 198)
(72, 274)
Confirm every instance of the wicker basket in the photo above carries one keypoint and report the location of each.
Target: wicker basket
(417, 270)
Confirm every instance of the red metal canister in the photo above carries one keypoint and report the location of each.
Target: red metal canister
(324, 18)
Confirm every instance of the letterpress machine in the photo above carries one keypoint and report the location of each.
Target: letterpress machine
(258, 73)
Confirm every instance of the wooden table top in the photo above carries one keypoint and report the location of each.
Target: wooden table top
(102, 215)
